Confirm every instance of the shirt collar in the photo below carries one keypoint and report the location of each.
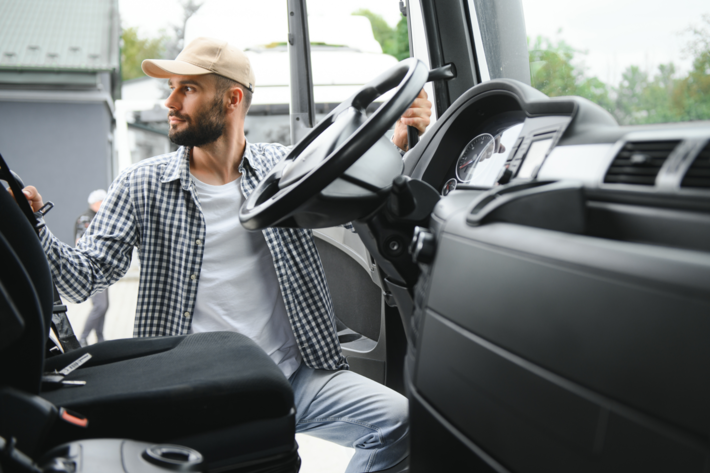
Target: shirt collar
(178, 168)
(248, 158)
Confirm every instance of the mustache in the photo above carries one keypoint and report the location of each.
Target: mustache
(177, 115)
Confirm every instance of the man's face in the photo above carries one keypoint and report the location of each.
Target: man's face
(197, 112)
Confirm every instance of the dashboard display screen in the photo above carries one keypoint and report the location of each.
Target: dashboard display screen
(533, 160)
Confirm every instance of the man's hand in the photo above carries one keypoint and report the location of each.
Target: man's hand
(32, 197)
(417, 115)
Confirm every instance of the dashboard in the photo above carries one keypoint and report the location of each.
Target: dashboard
(504, 132)
(488, 138)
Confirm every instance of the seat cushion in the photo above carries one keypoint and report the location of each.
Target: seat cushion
(160, 389)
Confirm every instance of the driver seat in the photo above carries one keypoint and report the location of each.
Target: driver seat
(218, 393)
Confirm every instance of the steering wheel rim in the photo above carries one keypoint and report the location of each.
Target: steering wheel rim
(330, 155)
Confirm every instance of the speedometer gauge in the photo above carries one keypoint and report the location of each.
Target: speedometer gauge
(449, 187)
(476, 151)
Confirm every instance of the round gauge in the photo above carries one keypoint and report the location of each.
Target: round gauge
(449, 186)
(477, 150)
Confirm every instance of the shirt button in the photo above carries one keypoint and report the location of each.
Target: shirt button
(187, 315)
(198, 242)
(193, 277)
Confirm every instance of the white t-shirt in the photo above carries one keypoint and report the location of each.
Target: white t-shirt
(238, 289)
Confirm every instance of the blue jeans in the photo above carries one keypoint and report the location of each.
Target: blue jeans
(353, 411)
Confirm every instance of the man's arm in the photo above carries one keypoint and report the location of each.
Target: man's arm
(102, 257)
(417, 115)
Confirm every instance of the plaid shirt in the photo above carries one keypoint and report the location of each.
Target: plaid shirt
(153, 205)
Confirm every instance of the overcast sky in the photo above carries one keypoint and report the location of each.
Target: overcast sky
(152, 15)
(614, 33)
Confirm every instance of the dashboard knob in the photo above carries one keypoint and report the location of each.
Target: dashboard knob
(401, 201)
(504, 176)
(423, 246)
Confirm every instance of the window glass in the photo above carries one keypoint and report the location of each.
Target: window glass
(352, 43)
(645, 61)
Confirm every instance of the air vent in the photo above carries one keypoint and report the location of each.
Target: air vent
(698, 174)
(639, 162)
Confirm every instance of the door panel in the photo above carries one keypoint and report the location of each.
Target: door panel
(369, 330)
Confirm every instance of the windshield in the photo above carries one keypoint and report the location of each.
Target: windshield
(351, 43)
(645, 61)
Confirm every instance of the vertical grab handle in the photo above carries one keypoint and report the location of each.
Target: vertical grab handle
(443, 73)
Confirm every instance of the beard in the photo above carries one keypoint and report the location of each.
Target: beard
(205, 128)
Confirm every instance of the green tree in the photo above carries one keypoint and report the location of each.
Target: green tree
(693, 93)
(394, 41)
(630, 104)
(665, 97)
(400, 44)
(135, 49)
(691, 99)
(384, 34)
(640, 97)
(553, 72)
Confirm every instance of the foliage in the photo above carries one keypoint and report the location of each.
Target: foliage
(135, 49)
(400, 47)
(554, 73)
(700, 37)
(640, 97)
(394, 41)
(692, 96)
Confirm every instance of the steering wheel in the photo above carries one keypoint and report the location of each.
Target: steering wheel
(332, 147)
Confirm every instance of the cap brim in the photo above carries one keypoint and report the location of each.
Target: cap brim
(164, 68)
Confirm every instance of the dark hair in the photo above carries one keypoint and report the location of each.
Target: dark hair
(225, 83)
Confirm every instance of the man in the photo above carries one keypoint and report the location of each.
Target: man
(201, 271)
(95, 320)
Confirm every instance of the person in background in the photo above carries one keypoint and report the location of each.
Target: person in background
(96, 318)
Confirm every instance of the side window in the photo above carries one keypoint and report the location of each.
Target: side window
(352, 43)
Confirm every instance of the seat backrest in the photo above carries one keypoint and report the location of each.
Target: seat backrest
(26, 277)
(11, 322)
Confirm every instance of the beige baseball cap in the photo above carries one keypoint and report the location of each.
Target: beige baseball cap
(205, 56)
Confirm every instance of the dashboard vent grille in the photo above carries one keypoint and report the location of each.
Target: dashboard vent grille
(639, 162)
(698, 174)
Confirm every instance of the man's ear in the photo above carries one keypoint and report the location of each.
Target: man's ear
(236, 97)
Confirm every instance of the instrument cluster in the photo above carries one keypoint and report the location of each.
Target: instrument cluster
(483, 159)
